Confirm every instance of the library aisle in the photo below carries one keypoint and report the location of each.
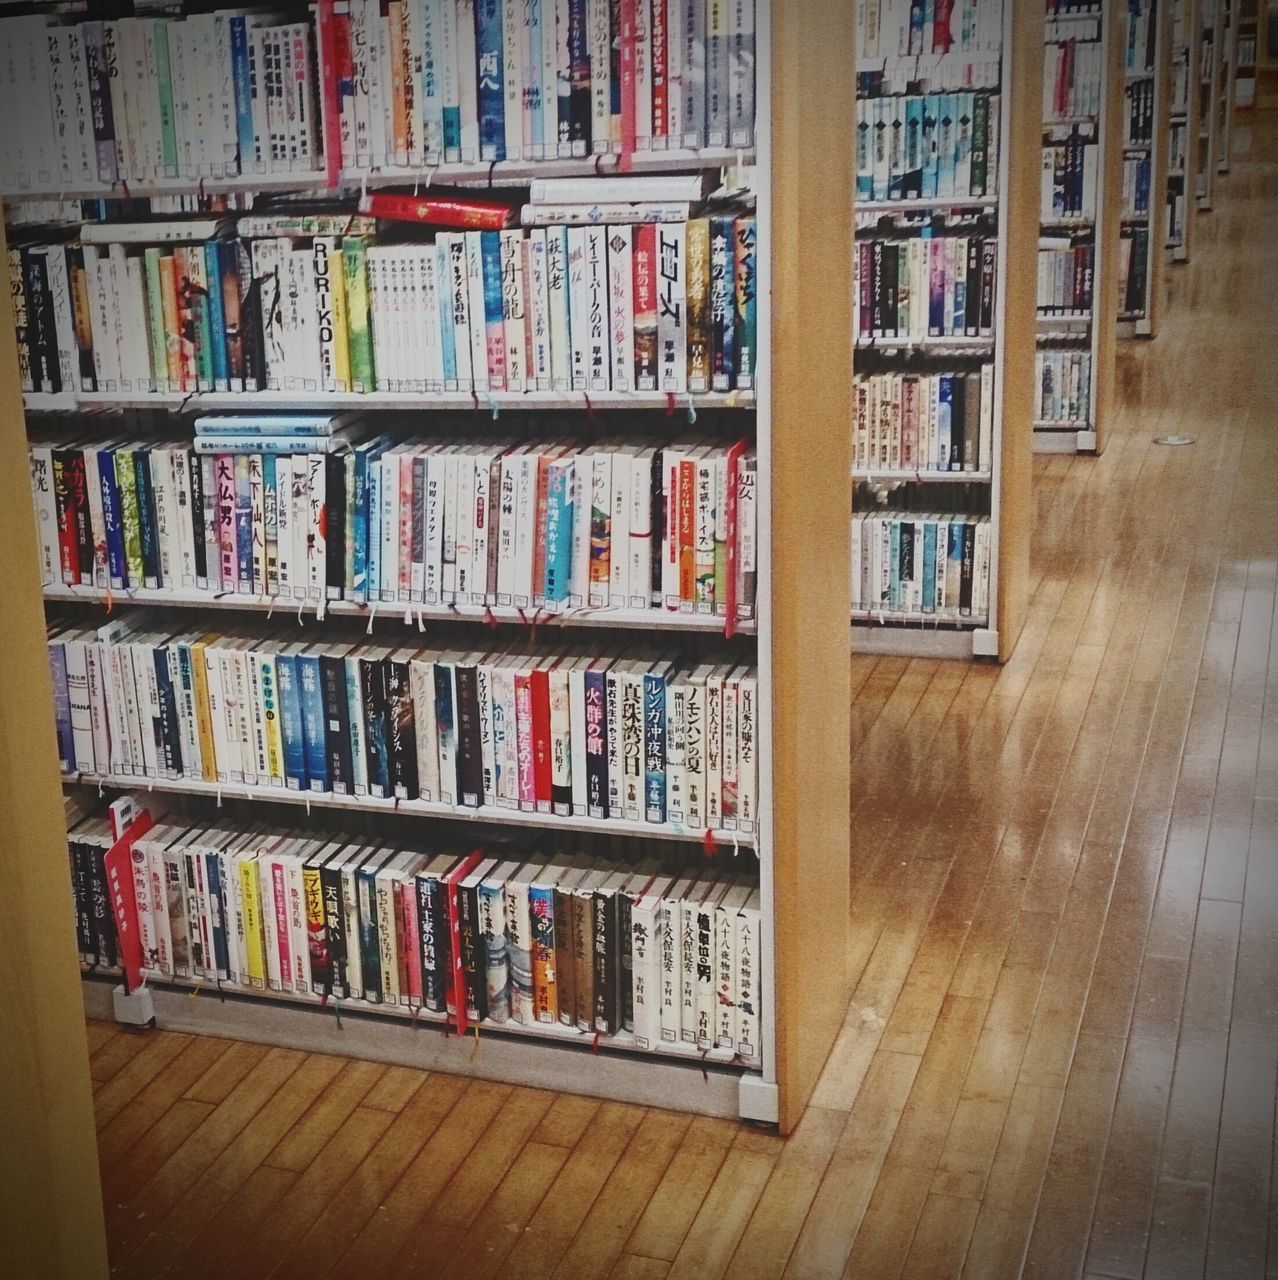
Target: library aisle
(1061, 1055)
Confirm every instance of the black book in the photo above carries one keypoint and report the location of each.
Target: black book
(625, 904)
(42, 341)
(889, 282)
(972, 289)
(989, 262)
(334, 928)
(658, 513)
(103, 920)
(578, 81)
(201, 552)
(474, 950)
(335, 524)
(337, 723)
(446, 731)
(168, 733)
(80, 312)
(607, 970)
(906, 563)
(876, 290)
(428, 916)
(251, 338)
(146, 518)
(470, 764)
(401, 735)
(82, 883)
(372, 677)
(969, 556)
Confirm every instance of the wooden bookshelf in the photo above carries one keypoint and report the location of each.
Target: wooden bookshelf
(798, 417)
(1207, 73)
(51, 1223)
(1247, 55)
(1183, 129)
(1001, 489)
(1096, 328)
(1143, 319)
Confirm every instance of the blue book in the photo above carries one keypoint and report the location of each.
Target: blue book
(217, 316)
(864, 153)
(654, 747)
(369, 951)
(292, 733)
(929, 567)
(912, 182)
(117, 565)
(62, 706)
(243, 94)
(596, 743)
(448, 334)
(374, 702)
(931, 151)
(534, 90)
(217, 913)
(490, 249)
(944, 417)
(723, 303)
(558, 533)
(314, 735)
(946, 144)
(357, 726)
(446, 729)
(894, 565)
(491, 80)
(243, 523)
(954, 558)
(146, 518)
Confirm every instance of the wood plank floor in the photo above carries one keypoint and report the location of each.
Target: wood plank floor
(1061, 1055)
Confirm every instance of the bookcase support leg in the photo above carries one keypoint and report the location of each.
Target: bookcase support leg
(759, 1100)
(1086, 442)
(985, 644)
(134, 1009)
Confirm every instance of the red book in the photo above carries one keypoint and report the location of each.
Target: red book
(469, 215)
(941, 39)
(660, 71)
(64, 505)
(330, 65)
(628, 107)
(645, 291)
(728, 608)
(542, 785)
(118, 866)
(455, 978)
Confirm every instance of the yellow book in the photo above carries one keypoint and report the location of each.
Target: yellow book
(255, 951)
(271, 716)
(203, 711)
(341, 338)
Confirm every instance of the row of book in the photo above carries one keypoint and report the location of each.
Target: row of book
(1065, 275)
(920, 565)
(913, 28)
(923, 422)
(1073, 79)
(1138, 120)
(1133, 270)
(657, 957)
(1069, 176)
(548, 526)
(653, 307)
(373, 86)
(1136, 186)
(927, 146)
(657, 739)
(1142, 35)
(934, 287)
(1063, 387)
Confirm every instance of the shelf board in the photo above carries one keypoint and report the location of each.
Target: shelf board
(680, 1077)
(926, 202)
(414, 808)
(1079, 221)
(1066, 321)
(939, 621)
(397, 612)
(484, 402)
(500, 173)
(968, 346)
(870, 477)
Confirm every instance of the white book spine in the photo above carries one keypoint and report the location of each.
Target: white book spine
(475, 300)
(749, 985)
(514, 59)
(578, 307)
(316, 560)
(577, 737)
(41, 459)
(600, 36)
(621, 307)
(672, 334)
(558, 293)
(598, 319)
(538, 308)
(422, 683)
(514, 309)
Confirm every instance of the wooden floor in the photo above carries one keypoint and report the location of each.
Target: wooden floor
(1062, 1052)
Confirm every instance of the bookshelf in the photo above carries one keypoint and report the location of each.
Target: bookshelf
(920, 356)
(1141, 283)
(1247, 54)
(1079, 230)
(1210, 30)
(796, 416)
(1228, 76)
(1183, 141)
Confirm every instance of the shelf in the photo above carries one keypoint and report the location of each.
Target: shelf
(398, 612)
(1135, 219)
(499, 173)
(917, 642)
(869, 477)
(675, 1076)
(962, 346)
(946, 620)
(1066, 320)
(1063, 424)
(414, 808)
(486, 402)
(927, 202)
(1070, 222)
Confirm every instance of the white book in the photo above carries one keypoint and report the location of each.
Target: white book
(507, 529)
(378, 71)
(600, 37)
(643, 77)
(430, 300)
(563, 82)
(670, 957)
(429, 19)
(525, 527)
(558, 305)
(41, 459)
(75, 647)
(550, 41)
(514, 59)
(748, 996)
(465, 528)
(316, 559)
(483, 376)
(97, 518)
(537, 309)
(621, 307)
(165, 515)
(639, 545)
(106, 353)
(645, 959)
(582, 485)
(676, 728)
(467, 85)
(421, 676)
(578, 306)
(597, 316)
(672, 332)
(560, 738)
(514, 309)
(724, 1008)
(676, 25)
(284, 563)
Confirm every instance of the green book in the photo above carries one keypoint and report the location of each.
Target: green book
(157, 338)
(355, 269)
(199, 278)
(980, 144)
(168, 133)
(126, 479)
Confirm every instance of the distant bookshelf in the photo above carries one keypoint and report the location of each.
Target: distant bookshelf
(1084, 182)
(1182, 133)
(1210, 70)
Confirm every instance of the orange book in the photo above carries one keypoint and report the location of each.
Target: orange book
(399, 144)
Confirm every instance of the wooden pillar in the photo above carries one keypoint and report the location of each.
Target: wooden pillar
(51, 1222)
